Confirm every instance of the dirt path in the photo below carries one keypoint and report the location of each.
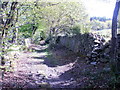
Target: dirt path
(34, 70)
(59, 68)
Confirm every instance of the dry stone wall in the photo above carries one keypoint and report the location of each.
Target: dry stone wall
(92, 46)
(78, 43)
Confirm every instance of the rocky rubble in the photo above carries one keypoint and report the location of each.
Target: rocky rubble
(100, 51)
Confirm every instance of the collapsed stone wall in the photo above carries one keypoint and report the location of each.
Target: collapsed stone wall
(92, 46)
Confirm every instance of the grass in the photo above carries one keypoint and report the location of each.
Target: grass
(51, 57)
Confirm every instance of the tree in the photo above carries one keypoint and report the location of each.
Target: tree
(7, 19)
(56, 17)
(61, 17)
(114, 37)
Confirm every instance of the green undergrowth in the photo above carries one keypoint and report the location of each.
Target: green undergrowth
(53, 61)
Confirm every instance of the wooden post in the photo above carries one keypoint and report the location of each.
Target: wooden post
(114, 37)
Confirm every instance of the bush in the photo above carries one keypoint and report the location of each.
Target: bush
(80, 29)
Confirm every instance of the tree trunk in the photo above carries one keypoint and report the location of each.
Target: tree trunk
(114, 38)
(15, 30)
(7, 24)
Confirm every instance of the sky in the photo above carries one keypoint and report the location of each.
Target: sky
(100, 7)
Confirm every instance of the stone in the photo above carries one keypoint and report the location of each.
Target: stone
(102, 39)
(107, 50)
(30, 74)
(42, 42)
(96, 45)
(103, 60)
(94, 59)
(94, 52)
(97, 42)
(107, 69)
(43, 84)
(97, 49)
(89, 55)
(94, 55)
(27, 42)
(93, 63)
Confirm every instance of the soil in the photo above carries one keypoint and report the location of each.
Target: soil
(55, 68)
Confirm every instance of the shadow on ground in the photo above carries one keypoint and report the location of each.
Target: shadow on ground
(43, 50)
(57, 56)
(55, 66)
(84, 76)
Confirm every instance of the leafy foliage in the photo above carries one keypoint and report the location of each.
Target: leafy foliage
(40, 20)
(26, 30)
